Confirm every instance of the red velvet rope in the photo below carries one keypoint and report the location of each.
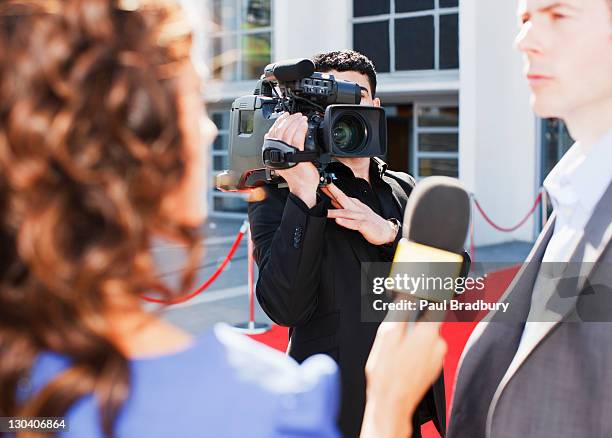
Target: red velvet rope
(210, 280)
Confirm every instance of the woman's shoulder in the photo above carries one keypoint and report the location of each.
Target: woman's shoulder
(226, 379)
(304, 397)
(272, 369)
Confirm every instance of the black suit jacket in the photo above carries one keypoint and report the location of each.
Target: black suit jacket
(309, 280)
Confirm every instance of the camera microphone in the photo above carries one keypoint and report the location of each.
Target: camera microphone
(290, 70)
(436, 224)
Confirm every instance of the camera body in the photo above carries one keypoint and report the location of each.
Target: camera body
(337, 125)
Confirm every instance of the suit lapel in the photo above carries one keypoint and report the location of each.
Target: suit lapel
(524, 278)
(566, 288)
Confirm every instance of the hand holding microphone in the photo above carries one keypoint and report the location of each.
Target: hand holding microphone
(404, 363)
(401, 367)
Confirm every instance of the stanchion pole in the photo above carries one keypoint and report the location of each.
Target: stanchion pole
(544, 207)
(251, 327)
(472, 220)
(251, 273)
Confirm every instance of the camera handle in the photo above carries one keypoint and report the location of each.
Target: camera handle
(277, 154)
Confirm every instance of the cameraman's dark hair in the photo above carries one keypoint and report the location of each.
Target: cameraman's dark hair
(347, 60)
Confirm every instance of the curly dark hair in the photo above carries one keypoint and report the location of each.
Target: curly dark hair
(347, 60)
(90, 145)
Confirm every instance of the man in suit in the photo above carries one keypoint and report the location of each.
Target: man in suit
(544, 368)
(310, 243)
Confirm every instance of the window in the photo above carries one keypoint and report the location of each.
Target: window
(223, 203)
(436, 140)
(407, 35)
(400, 137)
(423, 138)
(556, 141)
(241, 39)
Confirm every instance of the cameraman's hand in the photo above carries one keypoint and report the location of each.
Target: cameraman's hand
(402, 365)
(303, 178)
(353, 214)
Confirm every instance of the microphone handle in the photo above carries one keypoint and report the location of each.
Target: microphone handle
(411, 316)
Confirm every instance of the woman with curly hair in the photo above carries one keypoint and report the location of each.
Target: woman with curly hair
(101, 124)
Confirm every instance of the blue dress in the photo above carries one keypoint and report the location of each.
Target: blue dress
(223, 385)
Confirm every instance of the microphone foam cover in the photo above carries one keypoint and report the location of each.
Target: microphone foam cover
(438, 214)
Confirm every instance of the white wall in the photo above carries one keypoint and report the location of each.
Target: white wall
(304, 29)
(497, 142)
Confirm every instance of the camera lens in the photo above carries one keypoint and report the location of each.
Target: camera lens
(349, 133)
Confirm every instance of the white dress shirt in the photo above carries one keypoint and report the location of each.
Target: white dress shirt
(575, 185)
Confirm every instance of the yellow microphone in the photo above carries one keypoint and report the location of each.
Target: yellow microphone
(430, 253)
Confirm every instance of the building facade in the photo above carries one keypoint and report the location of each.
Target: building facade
(448, 77)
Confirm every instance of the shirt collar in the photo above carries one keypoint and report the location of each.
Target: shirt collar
(580, 179)
(377, 167)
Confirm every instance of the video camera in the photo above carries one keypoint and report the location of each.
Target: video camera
(337, 125)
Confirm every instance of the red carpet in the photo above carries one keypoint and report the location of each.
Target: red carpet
(277, 337)
(456, 335)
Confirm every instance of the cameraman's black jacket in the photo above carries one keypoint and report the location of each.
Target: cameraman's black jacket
(309, 280)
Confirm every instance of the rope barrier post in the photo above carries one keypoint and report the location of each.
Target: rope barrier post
(251, 327)
(472, 220)
(544, 207)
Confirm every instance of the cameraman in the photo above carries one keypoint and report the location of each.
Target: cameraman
(310, 243)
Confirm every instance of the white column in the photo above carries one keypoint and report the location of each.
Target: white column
(302, 30)
(497, 142)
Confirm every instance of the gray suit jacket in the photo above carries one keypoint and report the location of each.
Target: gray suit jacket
(561, 385)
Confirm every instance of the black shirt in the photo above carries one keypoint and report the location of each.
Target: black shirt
(376, 194)
(359, 188)
(310, 274)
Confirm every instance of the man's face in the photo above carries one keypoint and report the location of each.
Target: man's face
(362, 81)
(567, 48)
